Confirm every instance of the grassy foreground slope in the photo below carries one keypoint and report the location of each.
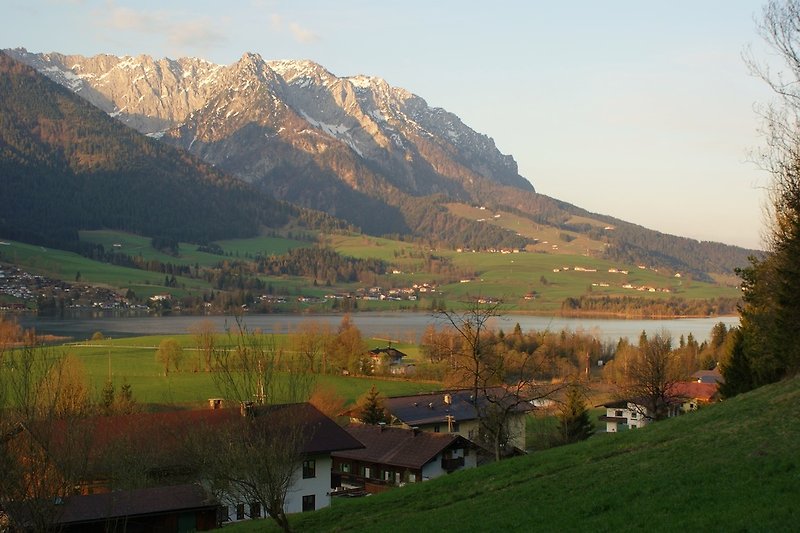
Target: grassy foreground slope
(734, 466)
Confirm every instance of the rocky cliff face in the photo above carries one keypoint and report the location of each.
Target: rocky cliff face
(293, 127)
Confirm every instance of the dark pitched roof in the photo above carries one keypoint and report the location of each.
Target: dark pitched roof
(395, 446)
(393, 353)
(323, 434)
(709, 376)
(159, 435)
(139, 502)
(430, 408)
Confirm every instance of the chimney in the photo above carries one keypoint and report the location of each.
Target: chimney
(430, 405)
(382, 425)
(448, 399)
(414, 431)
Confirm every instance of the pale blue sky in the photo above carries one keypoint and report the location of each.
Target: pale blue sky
(639, 110)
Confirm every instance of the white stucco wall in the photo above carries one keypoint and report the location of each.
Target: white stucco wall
(319, 486)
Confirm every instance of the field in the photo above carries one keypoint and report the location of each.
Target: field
(136, 245)
(546, 278)
(133, 360)
(512, 276)
(550, 239)
(728, 467)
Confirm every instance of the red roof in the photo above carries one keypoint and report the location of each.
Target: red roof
(703, 392)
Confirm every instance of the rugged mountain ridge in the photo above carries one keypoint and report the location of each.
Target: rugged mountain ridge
(355, 147)
(418, 148)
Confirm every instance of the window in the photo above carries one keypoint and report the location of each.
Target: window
(366, 471)
(618, 412)
(309, 468)
(239, 511)
(633, 416)
(344, 467)
(387, 475)
(412, 478)
(309, 503)
(255, 510)
(436, 428)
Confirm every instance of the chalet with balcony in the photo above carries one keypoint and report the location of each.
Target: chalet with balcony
(394, 456)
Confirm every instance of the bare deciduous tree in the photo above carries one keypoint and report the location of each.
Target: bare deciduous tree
(503, 383)
(651, 376)
(255, 457)
(205, 335)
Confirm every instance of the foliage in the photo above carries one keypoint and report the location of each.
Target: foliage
(649, 376)
(629, 306)
(169, 354)
(370, 408)
(768, 349)
(573, 419)
(44, 442)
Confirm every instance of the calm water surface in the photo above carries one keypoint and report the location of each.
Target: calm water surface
(395, 326)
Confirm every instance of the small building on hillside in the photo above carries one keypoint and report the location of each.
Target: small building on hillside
(394, 456)
(387, 360)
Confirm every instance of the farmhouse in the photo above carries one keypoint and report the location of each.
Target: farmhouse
(155, 450)
(455, 411)
(394, 456)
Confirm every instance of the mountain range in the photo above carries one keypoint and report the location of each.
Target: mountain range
(376, 156)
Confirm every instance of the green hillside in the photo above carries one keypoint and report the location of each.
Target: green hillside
(734, 466)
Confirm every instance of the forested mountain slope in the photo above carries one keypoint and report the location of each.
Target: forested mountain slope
(66, 165)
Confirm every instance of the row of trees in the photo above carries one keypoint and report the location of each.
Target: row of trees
(630, 306)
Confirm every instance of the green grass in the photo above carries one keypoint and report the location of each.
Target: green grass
(137, 245)
(734, 466)
(133, 360)
(59, 264)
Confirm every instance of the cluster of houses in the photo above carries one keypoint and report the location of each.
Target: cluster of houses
(25, 289)
(640, 288)
(364, 293)
(683, 397)
(429, 435)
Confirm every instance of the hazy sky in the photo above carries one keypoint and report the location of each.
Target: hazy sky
(639, 110)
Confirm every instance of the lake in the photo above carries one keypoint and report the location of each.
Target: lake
(404, 327)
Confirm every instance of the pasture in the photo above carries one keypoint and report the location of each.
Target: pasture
(133, 360)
